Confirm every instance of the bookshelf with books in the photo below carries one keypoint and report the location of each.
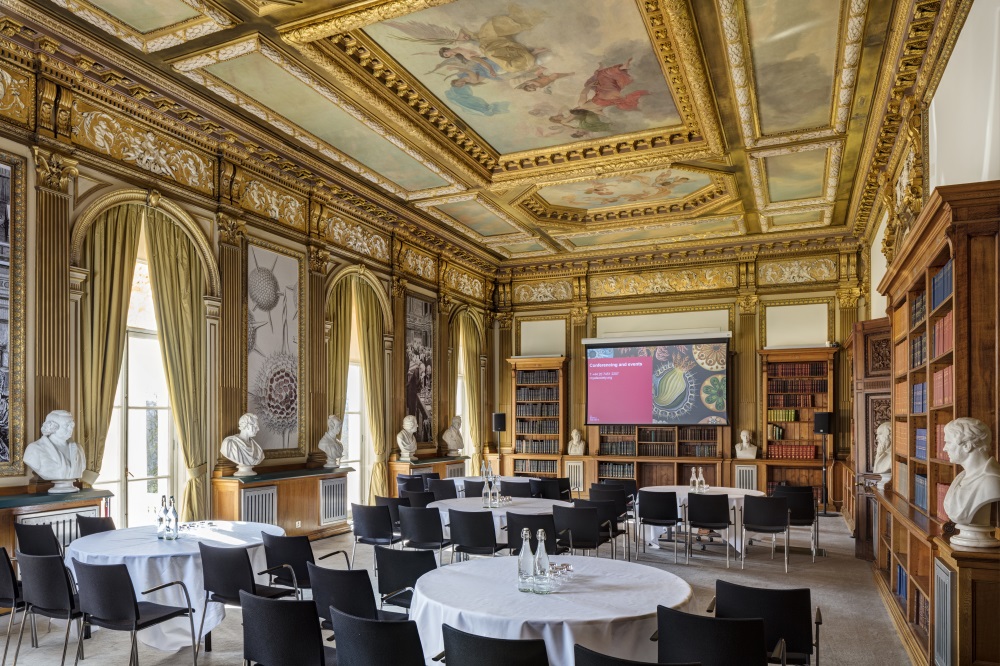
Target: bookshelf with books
(539, 417)
(942, 292)
(797, 383)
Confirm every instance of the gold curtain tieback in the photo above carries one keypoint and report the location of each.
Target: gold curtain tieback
(196, 472)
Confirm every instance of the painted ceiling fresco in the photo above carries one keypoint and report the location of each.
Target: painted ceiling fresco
(540, 128)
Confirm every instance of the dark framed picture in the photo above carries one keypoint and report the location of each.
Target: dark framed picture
(420, 365)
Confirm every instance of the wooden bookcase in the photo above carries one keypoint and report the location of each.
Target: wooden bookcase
(797, 383)
(539, 416)
(944, 337)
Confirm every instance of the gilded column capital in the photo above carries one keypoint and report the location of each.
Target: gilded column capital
(53, 170)
(748, 304)
(578, 315)
(319, 259)
(231, 229)
(398, 287)
(505, 319)
(848, 298)
(445, 303)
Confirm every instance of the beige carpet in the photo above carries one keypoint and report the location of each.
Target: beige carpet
(856, 630)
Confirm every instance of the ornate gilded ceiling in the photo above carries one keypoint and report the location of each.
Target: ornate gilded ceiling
(543, 129)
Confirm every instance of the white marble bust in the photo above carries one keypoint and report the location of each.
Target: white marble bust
(452, 437)
(576, 445)
(242, 449)
(330, 443)
(405, 440)
(53, 457)
(745, 449)
(968, 443)
(883, 454)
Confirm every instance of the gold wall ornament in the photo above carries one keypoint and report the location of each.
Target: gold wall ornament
(398, 287)
(505, 320)
(232, 230)
(356, 238)
(53, 170)
(797, 271)
(260, 197)
(848, 298)
(748, 304)
(16, 94)
(543, 292)
(419, 264)
(319, 259)
(691, 279)
(121, 139)
(465, 283)
(338, 21)
(578, 315)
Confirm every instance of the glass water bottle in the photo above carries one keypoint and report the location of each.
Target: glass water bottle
(702, 487)
(525, 563)
(486, 494)
(694, 481)
(161, 517)
(172, 522)
(542, 583)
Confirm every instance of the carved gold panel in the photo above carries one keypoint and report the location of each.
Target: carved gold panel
(680, 280)
(803, 270)
(17, 95)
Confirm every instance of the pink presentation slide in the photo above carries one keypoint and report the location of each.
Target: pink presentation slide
(619, 390)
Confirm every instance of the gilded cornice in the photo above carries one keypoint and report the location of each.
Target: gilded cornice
(351, 17)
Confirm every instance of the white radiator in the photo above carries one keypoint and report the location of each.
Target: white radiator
(63, 522)
(746, 477)
(259, 505)
(332, 500)
(944, 579)
(453, 470)
(574, 470)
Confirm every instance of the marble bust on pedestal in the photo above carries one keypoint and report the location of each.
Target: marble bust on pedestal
(53, 457)
(406, 441)
(746, 450)
(452, 437)
(883, 454)
(967, 442)
(242, 449)
(576, 445)
(330, 443)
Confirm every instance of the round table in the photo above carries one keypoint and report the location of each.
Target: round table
(153, 561)
(460, 481)
(736, 496)
(526, 505)
(605, 605)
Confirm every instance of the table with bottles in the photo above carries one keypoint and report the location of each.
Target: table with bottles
(603, 604)
(736, 495)
(153, 561)
(526, 505)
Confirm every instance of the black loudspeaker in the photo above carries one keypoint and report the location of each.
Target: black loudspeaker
(499, 422)
(823, 423)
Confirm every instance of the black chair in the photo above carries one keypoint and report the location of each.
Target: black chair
(348, 591)
(803, 512)
(630, 486)
(707, 512)
(473, 533)
(786, 615)
(578, 528)
(227, 571)
(623, 505)
(515, 488)
(565, 488)
(764, 515)
(465, 649)
(87, 525)
(393, 503)
(413, 484)
(534, 522)
(421, 528)
(287, 557)
(37, 540)
(712, 641)
(283, 632)
(372, 527)
(365, 642)
(474, 488)
(108, 600)
(418, 499)
(10, 596)
(49, 591)
(659, 510)
(400, 571)
(545, 488)
(586, 657)
(442, 489)
(427, 478)
(607, 518)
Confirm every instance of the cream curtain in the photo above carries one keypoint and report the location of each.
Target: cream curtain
(109, 252)
(178, 284)
(471, 350)
(371, 327)
(338, 348)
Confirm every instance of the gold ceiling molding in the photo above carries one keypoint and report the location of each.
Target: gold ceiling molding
(664, 282)
(798, 271)
(737, 228)
(211, 20)
(831, 175)
(543, 292)
(265, 7)
(352, 18)
(193, 67)
(771, 223)
(519, 235)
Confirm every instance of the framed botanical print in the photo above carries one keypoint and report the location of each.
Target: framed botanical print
(420, 365)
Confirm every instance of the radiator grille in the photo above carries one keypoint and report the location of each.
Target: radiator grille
(453, 470)
(332, 500)
(746, 477)
(574, 470)
(259, 505)
(63, 522)
(943, 581)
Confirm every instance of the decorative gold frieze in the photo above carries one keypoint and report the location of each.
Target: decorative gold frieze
(260, 196)
(16, 95)
(417, 263)
(354, 237)
(543, 292)
(465, 283)
(797, 271)
(53, 170)
(664, 282)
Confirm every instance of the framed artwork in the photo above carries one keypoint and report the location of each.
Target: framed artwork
(420, 365)
(12, 311)
(275, 365)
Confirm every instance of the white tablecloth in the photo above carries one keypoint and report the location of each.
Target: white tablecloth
(736, 496)
(527, 505)
(606, 605)
(460, 481)
(153, 561)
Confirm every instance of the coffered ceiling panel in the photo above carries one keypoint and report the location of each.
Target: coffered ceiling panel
(659, 186)
(795, 175)
(651, 236)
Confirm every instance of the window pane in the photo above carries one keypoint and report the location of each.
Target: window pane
(111, 464)
(460, 397)
(117, 505)
(148, 442)
(147, 385)
(140, 304)
(352, 439)
(354, 388)
(144, 500)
